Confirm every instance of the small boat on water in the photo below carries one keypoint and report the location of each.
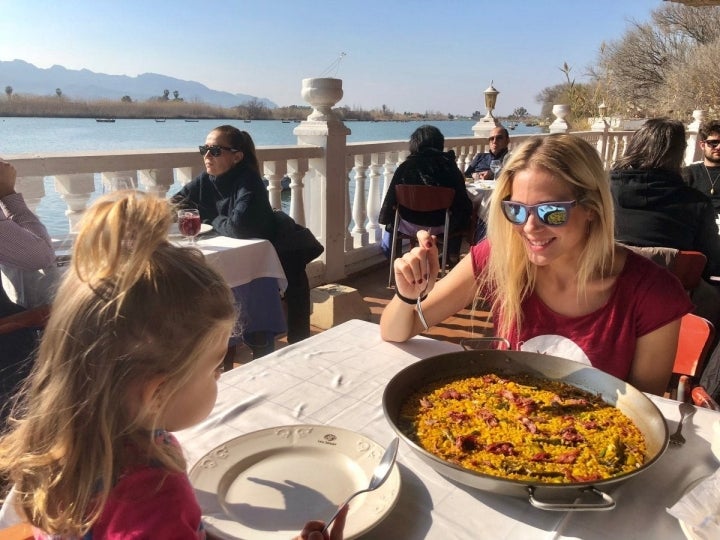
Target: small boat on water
(160, 119)
(104, 119)
(247, 121)
(286, 120)
(191, 120)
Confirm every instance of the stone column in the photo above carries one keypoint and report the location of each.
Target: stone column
(692, 152)
(322, 128)
(560, 125)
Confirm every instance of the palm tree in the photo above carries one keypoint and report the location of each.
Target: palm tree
(58, 92)
(9, 91)
(176, 94)
(166, 94)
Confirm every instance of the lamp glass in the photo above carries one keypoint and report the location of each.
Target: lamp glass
(491, 98)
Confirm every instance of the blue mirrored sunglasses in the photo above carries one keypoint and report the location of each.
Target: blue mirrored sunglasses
(214, 150)
(553, 214)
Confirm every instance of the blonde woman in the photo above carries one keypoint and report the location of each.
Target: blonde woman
(552, 273)
(132, 351)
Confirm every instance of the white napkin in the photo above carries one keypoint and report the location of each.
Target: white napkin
(699, 508)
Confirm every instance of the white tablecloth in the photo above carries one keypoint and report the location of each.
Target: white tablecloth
(338, 377)
(480, 192)
(238, 261)
(241, 261)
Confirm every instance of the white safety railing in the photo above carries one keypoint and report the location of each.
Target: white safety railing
(335, 188)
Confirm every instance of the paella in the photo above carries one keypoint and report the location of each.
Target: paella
(525, 428)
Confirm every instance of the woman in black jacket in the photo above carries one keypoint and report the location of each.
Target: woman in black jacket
(233, 198)
(653, 206)
(428, 164)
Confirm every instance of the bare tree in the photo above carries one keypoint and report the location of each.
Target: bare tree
(636, 71)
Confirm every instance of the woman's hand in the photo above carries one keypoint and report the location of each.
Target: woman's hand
(417, 270)
(313, 529)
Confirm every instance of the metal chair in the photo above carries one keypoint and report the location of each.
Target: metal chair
(421, 198)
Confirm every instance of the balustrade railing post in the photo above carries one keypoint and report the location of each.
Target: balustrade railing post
(75, 190)
(156, 181)
(275, 171)
(323, 128)
(692, 152)
(32, 189)
(296, 170)
(359, 212)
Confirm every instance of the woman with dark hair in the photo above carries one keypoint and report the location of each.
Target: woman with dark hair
(232, 197)
(428, 164)
(653, 206)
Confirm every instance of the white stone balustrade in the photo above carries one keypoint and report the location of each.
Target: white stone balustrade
(336, 188)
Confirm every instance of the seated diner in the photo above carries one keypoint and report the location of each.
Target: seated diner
(554, 278)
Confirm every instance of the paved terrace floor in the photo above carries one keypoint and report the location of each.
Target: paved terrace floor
(372, 286)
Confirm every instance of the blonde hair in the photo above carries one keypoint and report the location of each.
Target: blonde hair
(509, 275)
(132, 307)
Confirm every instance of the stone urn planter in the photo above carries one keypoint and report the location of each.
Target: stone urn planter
(560, 125)
(322, 93)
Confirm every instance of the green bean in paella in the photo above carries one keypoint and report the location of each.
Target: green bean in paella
(524, 428)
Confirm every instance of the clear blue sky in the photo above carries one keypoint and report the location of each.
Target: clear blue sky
(411, 55)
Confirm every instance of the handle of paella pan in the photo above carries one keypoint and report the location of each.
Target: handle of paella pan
(607, 502)
(474, 344)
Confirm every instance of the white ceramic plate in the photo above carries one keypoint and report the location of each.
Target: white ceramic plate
(175, 232)
(266, 484)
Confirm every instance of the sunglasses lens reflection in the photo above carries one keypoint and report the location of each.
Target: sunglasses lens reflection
(515, 213)
(552, 215)
(712, 143)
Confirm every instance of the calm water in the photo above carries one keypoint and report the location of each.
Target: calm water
(53, 135)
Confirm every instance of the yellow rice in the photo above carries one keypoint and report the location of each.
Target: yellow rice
(523, 428)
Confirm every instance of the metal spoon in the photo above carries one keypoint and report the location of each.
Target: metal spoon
(380, 474)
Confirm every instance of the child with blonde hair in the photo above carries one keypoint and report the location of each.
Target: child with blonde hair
(132, 351)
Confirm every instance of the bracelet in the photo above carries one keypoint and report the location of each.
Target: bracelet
(410, 301)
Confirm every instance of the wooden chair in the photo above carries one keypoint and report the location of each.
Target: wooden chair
(688, 266)
(421, 198)
(21, 531)
(694, 345)
(31, 318)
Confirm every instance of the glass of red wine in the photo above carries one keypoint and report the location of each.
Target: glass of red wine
(189, 223)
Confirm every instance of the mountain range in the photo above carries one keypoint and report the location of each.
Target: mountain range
(25, 78)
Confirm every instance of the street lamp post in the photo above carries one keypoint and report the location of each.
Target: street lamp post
(485, 125)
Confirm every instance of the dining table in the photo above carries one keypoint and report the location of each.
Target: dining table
(480, 192)
(250, 267)
(337, 379)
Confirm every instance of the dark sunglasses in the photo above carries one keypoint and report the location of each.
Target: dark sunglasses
(553, 214)
(712, 143)
(214, 150)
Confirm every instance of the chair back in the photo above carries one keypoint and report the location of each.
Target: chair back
(34, 318)
(694, 343)
(688, 266)
(422, 198)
